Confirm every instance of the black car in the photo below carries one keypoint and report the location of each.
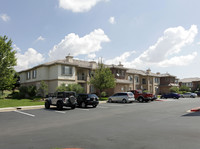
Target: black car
(84, 100)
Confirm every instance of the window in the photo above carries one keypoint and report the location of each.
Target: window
(156, 80)
(60, 95)
(123, 73)
(83, 76)
(28, 75)
(130, 78)
(66, 70)
(136, 79)
(143, 81)
(34, 74)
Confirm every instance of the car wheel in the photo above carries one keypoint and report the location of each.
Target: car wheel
(73, 106)
(83, 105)
(94, 106)
(47, 104)
(59, 105)
(109, 100)
(140, 99)
(124, 101)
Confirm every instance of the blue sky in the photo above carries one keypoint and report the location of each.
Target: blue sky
(160, 35)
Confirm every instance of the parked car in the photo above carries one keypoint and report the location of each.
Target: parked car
(142, 96)
(123, 97)
(189, 95)
(61, 99)
(171, 95)
(84, 100)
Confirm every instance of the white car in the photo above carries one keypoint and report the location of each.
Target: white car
(189, 95)
(123, 97)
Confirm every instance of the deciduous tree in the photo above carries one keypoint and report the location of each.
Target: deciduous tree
(103, 79)
(7, 63)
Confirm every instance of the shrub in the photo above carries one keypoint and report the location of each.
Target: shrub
(76, 88)
(174, 89)
(103, 94)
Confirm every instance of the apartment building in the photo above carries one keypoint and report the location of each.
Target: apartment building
(166, 82)
(70, 70)
(192, 83)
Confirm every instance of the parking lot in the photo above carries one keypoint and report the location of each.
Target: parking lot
(155, 125)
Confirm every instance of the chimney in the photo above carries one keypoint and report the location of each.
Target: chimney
(93, 64)
(120, 64)
(148, 71)
(69, 58)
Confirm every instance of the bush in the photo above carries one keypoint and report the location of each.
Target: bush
(71, 87)
(26, 91)
(174, 89)
(76, 88)
(103, 94)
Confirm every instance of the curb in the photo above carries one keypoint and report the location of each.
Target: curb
(195, 109)
(29, 107)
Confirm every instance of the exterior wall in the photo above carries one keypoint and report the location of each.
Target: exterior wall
(53, 76)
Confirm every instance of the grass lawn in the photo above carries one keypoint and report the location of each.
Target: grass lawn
(19, 102)
(103, 98)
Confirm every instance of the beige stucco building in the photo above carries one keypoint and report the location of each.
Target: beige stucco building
(70, 71)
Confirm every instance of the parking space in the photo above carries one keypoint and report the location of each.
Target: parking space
(102, 123)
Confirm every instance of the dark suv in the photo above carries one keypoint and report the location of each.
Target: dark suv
(87, 99)
(61, 99)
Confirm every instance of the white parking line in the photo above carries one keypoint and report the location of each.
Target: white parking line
(24, 113)
(83, 109)
(114, 105)
(60, 112)
(102, 107)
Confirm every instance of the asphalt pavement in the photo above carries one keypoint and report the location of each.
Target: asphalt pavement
(156, 125)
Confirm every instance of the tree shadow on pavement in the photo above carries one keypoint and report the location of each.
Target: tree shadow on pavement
(192, 114)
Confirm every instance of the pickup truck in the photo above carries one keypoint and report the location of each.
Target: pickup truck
(142, 96)
(61, 99)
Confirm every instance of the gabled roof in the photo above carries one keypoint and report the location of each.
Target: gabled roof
(187, 80)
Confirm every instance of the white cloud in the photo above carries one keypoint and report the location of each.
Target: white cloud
(74, 45)
(29, 58)
(112, 20)
(40, 38)
(78, 5)
(122, 58)
(178, 60)
(164, 52)
(92, 56)
(5, 17)
(171, 43)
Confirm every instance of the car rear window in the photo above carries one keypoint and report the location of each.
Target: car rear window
(130, 94)
(92, 96)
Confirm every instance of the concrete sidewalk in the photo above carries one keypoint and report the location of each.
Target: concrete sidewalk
(29, 107)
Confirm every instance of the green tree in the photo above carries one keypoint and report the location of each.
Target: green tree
(61, 88)
(43, 89)
(71, 87)
(103, 79)
(174, 89)
(76, 88)
(7, 63)
(184, 88)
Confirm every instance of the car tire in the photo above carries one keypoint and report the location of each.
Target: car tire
(110, 100)
(59, 105)
(83, 105)
(73, 106)
(47, 104)
(124, 101)
(140, 99)
(94, 106)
